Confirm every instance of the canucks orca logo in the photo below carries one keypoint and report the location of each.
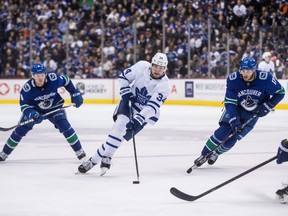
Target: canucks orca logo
(46, 104)
(249, 103)
(142, 96)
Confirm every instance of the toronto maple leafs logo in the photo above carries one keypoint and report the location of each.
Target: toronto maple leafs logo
(249, 103)
(142, 96)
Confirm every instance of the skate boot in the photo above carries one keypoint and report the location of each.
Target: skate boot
(199, 161)
(80, 154)
(212, 159)
(105, 165)
(86, 166)
(3, 156)
(282, 195)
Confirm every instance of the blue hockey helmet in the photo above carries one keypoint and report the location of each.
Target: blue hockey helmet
(248, 63)
(38, 68)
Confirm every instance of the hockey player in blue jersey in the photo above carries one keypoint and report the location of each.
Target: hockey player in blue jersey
(249, 91)
(39, 96)
(146, 85)
(282, 156)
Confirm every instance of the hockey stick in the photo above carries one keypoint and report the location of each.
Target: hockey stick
(134, 147)
(32, 120)
(187, 197)
(231, 135)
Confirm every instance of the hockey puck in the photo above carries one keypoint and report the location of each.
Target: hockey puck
(136, 182)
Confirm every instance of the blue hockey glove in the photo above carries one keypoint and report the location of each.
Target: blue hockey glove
(235, 124)
(282, 152)
(136, 123)
(134, 126)
(263, 109)
(33, 114)
(127, 95)
(77, 98)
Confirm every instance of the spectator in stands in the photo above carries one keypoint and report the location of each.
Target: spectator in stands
(54, 24)
(219, 71)
(240, 12)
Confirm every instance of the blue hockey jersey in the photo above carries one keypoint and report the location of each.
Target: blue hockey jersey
(45, 98)
(248, 95)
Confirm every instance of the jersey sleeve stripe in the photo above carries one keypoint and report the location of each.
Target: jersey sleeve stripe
(153, 118)
(156, 104)
(230, 101)
(152, 108)
(280, 91)
(67, 80)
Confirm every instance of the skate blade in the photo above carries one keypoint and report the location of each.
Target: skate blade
(103, 171)
(84, 159)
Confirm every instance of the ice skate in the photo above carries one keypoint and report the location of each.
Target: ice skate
(212, 159)
(199, 161)
(105, 165)
(3, 156)
(282, 195)
(80, 154)
(86, 166)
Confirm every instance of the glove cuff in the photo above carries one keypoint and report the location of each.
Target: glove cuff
(235, 118)
(268, 106)
(139, 118)
(76, 93)
(125, 90)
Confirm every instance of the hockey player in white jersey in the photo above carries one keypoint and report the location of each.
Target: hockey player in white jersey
(267, 64)
(145, 87)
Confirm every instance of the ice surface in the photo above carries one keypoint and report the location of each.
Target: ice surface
(39, 177)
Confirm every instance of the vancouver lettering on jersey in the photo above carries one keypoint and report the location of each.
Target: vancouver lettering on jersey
(249, 92)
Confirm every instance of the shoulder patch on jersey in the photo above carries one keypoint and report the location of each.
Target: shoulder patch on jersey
(263, 75)
(233, 76)
(52, 76)
(26, 87)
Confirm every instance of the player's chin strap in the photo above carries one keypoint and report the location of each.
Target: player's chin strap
(32, 120)
(231, 135)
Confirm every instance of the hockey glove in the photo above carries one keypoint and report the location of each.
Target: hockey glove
(263, 109)
(136, 123)
(282, 153)
(33, 114)
(77, 98)
(127, 95)
(235, 124)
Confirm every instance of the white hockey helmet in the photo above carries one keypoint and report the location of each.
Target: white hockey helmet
(160, 59)
(266, 54)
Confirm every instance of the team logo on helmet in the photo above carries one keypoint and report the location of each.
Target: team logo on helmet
(160, 59)
(248, 63)
(38, 68)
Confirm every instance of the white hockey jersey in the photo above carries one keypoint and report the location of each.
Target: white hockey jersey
(150, 93)
(268, 67)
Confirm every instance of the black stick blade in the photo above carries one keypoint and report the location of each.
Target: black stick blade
(179, 194)
(7, 129)
(189, 170)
